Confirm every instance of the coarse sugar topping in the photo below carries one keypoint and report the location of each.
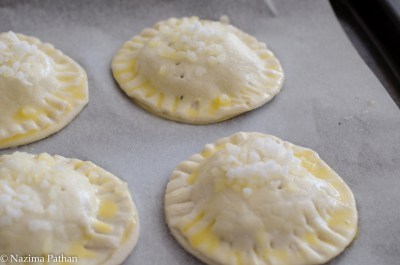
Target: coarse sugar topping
(254, 164)
(190, 40)
(37, 193)
(22, 60)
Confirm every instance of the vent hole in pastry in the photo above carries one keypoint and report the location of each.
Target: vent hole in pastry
(307, 220)
(272, 244)
(181, 97)
(195, 104)
(177, 63)
(230, 243)
(182, 75)
(293, 246)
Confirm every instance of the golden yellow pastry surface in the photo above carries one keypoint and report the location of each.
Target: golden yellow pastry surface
(41, 89)
(253, 199)
(55, 206)
(197, 71)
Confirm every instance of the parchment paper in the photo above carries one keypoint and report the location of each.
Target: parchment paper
(331, 102)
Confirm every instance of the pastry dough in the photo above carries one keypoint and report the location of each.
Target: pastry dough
(41, 89)
(51, 205)
(197, 71)
(253, 199)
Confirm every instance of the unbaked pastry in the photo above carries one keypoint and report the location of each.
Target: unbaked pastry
(197, 71)
(51, 205)
(253, 199)
(41, 89)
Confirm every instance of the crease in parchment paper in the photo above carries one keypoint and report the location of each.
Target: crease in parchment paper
(271, 7)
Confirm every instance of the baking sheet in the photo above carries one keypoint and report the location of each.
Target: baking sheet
(331, 102)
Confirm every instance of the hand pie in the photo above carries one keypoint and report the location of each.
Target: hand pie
(197, 71)
(52, 206)
(41, 89)
(253, 199)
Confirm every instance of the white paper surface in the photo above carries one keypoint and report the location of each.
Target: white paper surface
(330, 102)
